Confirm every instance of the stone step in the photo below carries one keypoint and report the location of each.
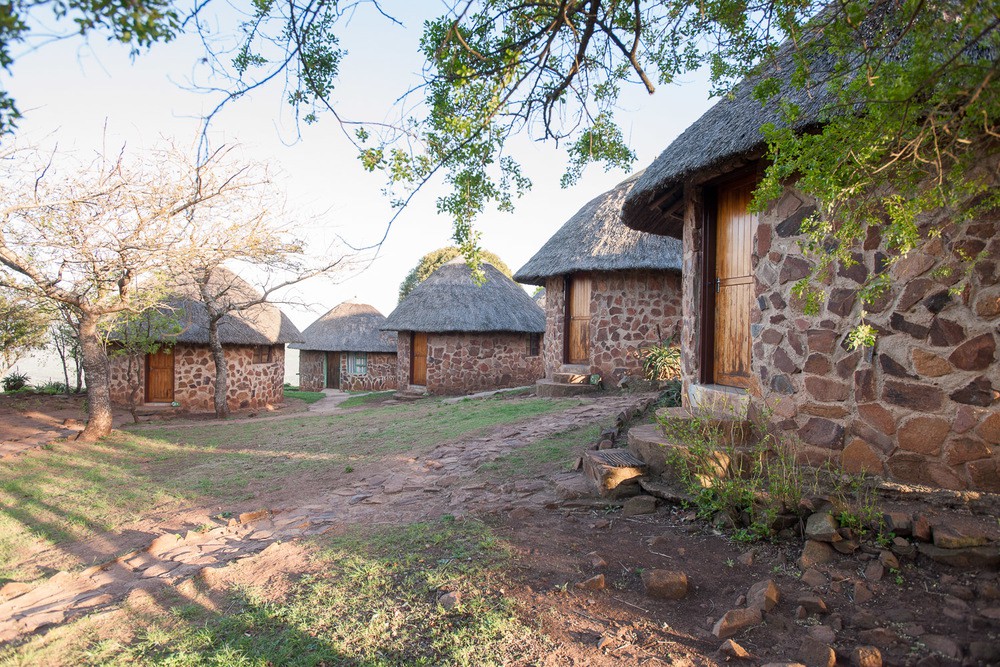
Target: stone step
(550, 389)
(614, 473)
(571, 378)
(648, 443)
(579, 369)
(726, 430)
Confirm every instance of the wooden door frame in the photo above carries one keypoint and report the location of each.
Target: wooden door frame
(706, 273)
(567, 315)
(173, 378)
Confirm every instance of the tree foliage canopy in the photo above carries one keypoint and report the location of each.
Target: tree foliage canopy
(434, 259)
(914, 104)
(23, 328)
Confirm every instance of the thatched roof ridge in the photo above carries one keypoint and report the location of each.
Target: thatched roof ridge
(348, 327)
(262, 324)
(449, 300)
(596, 240)
(729, 131)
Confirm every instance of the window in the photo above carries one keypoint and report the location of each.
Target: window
(262, 354)
(534, 344)
(357, 363)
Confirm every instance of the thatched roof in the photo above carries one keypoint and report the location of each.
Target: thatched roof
(596, 240)
(348, 327)
(728, 131)
(449, 300)
(262, 324)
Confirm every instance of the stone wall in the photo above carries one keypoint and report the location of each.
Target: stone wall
(921, 406)
(403, 345)
(250, 385)
(312, 367)
(381, 375)
(629, 310)
(464, 363)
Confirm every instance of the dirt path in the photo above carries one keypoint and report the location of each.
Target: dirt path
(404, 491)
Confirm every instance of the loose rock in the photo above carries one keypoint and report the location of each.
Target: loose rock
(595, 583)
(813, 604)
(816, 553)
(639, 505)
(821, 526)
(735, 621)
(866, 656)
(450, 600)
(665, 584)
(763, 595)
(816, 654)
(814, 578)
(731, 649)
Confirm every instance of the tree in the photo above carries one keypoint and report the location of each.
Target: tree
(22, 328)
(434, 259)
(914, 102)
(97, 237)
(132, 336)
(252, 237)
(66, 343)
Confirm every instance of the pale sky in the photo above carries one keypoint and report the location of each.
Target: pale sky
(69, 90)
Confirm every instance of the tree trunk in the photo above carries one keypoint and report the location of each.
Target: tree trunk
(95, 367)
(220, 399)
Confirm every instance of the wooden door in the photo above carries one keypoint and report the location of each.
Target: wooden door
(160, 376)
(578, 320)
(734, 230)
(333, 370)
(418, 358)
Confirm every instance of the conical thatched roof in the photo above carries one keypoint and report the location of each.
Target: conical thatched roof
(449, 300)
(729, 130)
(262, 324)
(348, 327)
(596, 240)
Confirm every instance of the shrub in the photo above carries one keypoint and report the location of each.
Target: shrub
(662, 361)
(52, 387)
(14, 381)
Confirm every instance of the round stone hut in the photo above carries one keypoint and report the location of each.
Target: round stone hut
(346, 349)
(457, 337)
(610, 291)
(182, 371)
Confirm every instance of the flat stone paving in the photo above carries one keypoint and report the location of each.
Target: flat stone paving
(407, 491)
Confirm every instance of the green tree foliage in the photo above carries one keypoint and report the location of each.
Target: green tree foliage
(137, 23)
(910, 125)
(434, 259)
(23, 327)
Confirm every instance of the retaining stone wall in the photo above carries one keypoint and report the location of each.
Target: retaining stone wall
(922, 405)
(250, 385)
(629, 310)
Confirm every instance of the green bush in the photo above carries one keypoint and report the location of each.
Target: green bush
(14, 381)
(52, 387)
(662, 361)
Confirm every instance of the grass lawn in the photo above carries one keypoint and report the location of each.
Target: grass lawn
(71, 491)
(307, 396)
(364, 399)
(558, 451)
(370, 598)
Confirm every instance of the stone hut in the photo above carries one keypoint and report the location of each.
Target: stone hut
(182, 370)
(610, 291)
(346, 349)
(457, 337)
(920, 407)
